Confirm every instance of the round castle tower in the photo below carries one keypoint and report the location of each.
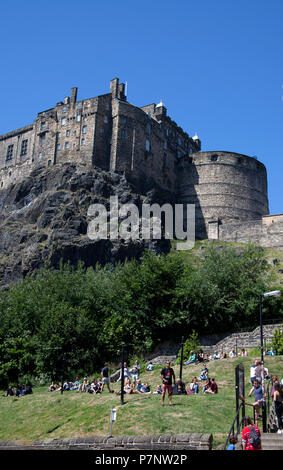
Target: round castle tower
(225, 187)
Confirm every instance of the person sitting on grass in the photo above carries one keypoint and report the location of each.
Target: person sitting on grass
(150, 367)
(213, 387)
(27, 390)
(192, 358)
(180, 387)
(128, 388)
(52, 387)
(216, 355)
(204, 373)
(158, 391)
(84, 386)
(206, 385)
(193, 387)
(9, 392)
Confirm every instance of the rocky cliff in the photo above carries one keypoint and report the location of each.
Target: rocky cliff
(44, 220)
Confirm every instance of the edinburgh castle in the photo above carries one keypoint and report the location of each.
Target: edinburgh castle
(229, 190)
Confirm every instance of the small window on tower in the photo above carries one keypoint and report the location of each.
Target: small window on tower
(214, 157)
(147, 145)
(24, 147)
(84, 129)
(9, 154)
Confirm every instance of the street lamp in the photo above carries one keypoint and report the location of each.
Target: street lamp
(274, 293)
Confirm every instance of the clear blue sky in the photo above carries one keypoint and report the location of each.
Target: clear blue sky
(217, 66)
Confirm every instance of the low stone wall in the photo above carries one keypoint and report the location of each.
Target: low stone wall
(212, 343)
(153, 442)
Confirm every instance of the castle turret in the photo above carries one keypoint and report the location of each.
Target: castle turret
(160, 110)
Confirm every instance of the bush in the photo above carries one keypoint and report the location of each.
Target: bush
(191, 344)
(277, 341)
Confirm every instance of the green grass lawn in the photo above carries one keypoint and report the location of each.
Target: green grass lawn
(52, 415)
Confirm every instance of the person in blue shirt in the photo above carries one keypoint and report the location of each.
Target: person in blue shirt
(259, 396)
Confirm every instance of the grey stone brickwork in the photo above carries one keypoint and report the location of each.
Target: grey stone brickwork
(229, 190)
(225, 188)
(170, 442)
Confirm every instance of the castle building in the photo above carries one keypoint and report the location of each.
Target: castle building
(144, 143)
(106, 132)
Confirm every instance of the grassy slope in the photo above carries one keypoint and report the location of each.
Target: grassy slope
(51, 415)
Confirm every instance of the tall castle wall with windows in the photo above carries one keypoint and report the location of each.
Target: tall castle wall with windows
(106, 132)
(228, 190)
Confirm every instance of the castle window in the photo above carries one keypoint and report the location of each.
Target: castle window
(105, 119)
(123, 120)
(49, 162)
(123, 134)
(63, 121)
(42, 138)
(214, 158)
(67, 132)
(147, 145)
(179, 154)
(148, 129)
(39, 155)
(43, 125)
(9, 155)
(78, 117)
(58, 135)
(165, 145)
(85, 117)
(79, 105)
(84, 129)
(101, 131)
(83, 141)
(58, 147)
(24, 147)
(64, 109)
(66, 145)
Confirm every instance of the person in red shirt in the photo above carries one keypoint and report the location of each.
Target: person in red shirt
(213, 388)
(246, 435)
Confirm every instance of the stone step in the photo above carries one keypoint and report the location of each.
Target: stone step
(272, 441)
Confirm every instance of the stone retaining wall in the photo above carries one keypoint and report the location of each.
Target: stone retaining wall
(153, 442)
(212, 343)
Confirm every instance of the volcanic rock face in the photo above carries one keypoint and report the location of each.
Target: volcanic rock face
(44, 220)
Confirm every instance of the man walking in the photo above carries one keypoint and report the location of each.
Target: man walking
(167, 374)
(105, 378)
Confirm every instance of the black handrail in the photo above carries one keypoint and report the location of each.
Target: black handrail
(232, 429)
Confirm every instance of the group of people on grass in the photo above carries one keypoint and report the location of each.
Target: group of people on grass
(18, 391)
(198, 357)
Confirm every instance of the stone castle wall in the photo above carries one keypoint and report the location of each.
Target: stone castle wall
(106, 132)
(229, 190)
(225, 187)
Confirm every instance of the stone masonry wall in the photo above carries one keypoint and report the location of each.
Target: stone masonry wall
(225, 186)
(152, 442)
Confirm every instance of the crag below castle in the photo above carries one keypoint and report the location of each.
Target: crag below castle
(44, 220)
